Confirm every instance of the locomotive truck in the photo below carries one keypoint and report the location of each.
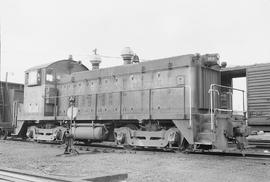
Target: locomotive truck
(172, 102)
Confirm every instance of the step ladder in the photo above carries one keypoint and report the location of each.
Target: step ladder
(205, 136)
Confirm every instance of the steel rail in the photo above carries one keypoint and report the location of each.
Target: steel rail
(19, 176)
(16, 176)
(233, 154)
(107, 148)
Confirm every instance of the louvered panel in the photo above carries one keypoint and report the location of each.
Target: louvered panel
(258, 87)
(260, 96)
(207, 77)
(255, 88)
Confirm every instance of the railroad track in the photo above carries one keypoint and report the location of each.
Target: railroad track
(11, 175)
(16, 176)
(245, 155)
(105, 147)
(109, 147)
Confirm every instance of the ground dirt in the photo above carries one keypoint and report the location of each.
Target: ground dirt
(44, 159)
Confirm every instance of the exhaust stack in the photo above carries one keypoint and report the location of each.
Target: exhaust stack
(95, 60)
(127, 55)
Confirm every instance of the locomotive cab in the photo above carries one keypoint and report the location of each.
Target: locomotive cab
(41, 94)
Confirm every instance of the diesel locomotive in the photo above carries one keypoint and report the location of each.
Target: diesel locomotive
(165, 103)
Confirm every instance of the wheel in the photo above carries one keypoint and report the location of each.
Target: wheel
(3, 134)
(30, 133)
(174, 136)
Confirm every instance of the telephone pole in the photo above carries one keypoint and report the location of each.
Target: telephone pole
(0, 51)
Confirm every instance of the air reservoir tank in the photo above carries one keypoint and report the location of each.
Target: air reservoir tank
(89, 131)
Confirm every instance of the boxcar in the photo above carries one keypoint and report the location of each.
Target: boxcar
(10, 95)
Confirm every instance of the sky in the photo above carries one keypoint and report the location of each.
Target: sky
(35, 32)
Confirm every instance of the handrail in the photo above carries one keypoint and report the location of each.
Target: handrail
(190, 109)
(211, 90)
(222, 86)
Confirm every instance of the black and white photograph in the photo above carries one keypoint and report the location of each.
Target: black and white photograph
(134, 90)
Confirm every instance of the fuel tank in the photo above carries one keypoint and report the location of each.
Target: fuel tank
(89, 131)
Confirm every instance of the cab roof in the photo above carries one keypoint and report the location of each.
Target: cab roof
(55, 63)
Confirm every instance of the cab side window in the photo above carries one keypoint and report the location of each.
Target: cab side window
(49, 76)
(33, 78)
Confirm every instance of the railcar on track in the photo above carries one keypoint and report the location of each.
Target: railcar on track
(10, 95)
(258, 92)
(172, 102)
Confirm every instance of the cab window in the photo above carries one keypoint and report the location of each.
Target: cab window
(33, 78)
(49, 76)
